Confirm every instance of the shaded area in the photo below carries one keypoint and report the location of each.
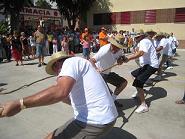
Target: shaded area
(2, 84)
(118, 133)
(33, 63)
(163, 78)
(157, 93)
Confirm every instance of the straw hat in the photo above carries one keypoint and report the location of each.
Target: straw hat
(55, 57)
(150, 31)
(118, 41)
(140, 33)
(160, 34)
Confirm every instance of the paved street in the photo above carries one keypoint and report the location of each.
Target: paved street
(165, 119)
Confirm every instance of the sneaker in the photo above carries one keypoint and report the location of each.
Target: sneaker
(39, 65)
(142, 108)
(44, 63)
(157, 78)
(169, 67)
(117, 104)
(134, 95)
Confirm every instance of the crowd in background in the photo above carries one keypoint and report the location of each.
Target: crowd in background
(79, 41)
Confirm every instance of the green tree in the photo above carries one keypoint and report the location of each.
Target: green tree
(43, 4)
(12, 9)
(3, 27)
(71, 10)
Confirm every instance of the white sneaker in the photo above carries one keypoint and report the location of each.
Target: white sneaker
(134, 95)
(142, 108)
(169, 67)
(157, 78)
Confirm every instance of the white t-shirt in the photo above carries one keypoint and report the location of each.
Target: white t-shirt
(90, 98)
(163, 43)
(156, 44)
(105, 58)
(168, 49)
(150, 55)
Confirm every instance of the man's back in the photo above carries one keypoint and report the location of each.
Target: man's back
(90, 97)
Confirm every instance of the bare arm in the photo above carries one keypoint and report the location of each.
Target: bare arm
(135, 55)
(51, 95)
(159, 49)
(93, 61)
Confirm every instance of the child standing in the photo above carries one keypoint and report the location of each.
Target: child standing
(65, 45)
(86, 47)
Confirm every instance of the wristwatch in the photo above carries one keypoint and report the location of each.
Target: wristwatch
(22, 104)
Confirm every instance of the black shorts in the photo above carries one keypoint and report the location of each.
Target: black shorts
(142, 75)
(113, 79)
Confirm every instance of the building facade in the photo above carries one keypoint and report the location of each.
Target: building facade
(159, 15)
(48, 18)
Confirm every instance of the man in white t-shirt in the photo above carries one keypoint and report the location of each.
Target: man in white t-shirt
(105, 58)
(175, 42)
(149, 65)
(79, 85)
(165, 47)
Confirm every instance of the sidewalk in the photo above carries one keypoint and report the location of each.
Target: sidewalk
(165, 119)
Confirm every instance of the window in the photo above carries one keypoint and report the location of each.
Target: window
(102, 19)
(180, 15)
(125, 18)
(137, 17)
(165, 15)
(150, 16)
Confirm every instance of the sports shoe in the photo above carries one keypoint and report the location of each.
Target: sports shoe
(134, 95)
(44, 63)
(142, 108)
(117, 104)
(157, 78)
(39, 65)
(170, 67)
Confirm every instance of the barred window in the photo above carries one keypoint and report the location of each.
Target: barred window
(180, 15)
(150, 16)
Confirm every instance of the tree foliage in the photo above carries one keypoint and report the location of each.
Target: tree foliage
(3, 27)
(43, 4)
(73, 9)
(13, 8)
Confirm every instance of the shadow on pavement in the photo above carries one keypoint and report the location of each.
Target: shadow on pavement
(118, 133)
(33, 63)
(157, 93)
(127, 103)
(169, 74)
(2, 84)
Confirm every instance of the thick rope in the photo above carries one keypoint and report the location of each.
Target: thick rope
(24, 86)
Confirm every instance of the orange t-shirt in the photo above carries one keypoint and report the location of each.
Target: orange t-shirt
(102, 42)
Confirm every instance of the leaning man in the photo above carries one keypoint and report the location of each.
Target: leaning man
(94, 110)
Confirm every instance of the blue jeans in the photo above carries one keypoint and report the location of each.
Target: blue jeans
(40, 49)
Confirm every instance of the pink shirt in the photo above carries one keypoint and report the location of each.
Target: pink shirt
(85, 44)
